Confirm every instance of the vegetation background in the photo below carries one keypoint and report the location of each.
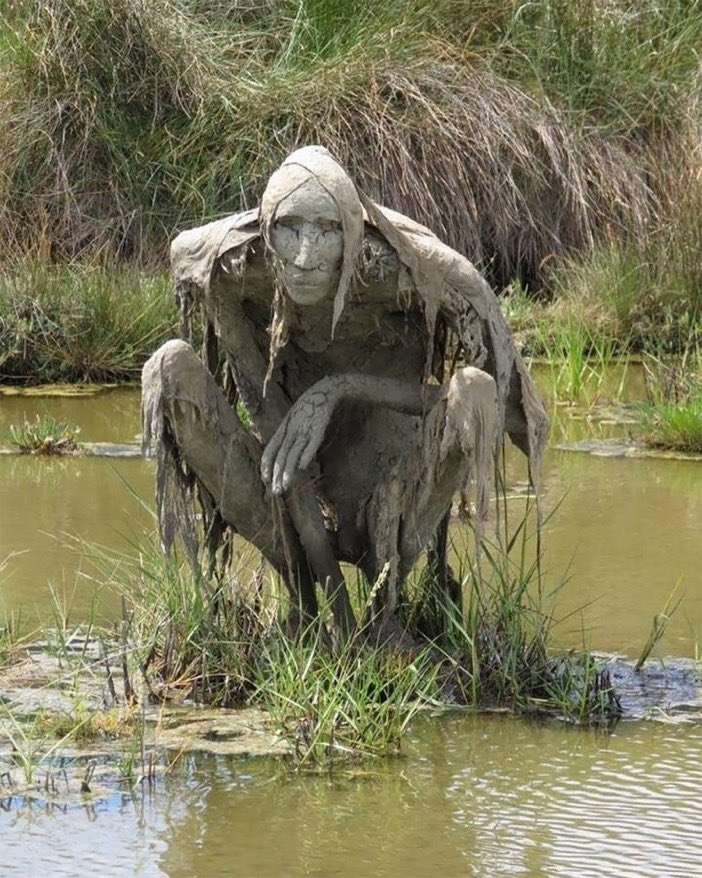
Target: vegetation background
(555, 143)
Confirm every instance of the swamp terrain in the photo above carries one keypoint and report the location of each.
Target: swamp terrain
(472, 793)
(557, 145)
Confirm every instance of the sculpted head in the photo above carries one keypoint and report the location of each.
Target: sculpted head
(312, 222)
(308, 239)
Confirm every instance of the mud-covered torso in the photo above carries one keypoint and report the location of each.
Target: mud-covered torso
(381, 332)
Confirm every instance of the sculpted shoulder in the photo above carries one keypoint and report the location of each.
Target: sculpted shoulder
(194, 251)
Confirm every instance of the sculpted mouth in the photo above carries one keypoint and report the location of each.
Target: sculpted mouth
(305, 280)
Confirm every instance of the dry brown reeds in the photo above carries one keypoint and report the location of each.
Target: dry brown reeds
(126, 120)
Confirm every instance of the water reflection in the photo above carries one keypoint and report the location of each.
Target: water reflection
(120, 836)
(484, 796)
(475, 795)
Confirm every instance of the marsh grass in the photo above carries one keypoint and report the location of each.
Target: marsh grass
(228, 642)
(499, 651)
(44, 435)
(34, 752)
(675, 427)
(10, 628)
(671, 418)
(73, 323)
(579, 360)
(185, 635)
(344, 704)
(520, 132)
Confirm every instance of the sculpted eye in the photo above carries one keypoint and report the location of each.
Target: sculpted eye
(285, 224)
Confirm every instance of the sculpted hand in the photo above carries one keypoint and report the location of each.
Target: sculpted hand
(296, 441)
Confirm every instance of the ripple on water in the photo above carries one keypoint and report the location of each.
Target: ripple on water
(476, 796)
(561, 805)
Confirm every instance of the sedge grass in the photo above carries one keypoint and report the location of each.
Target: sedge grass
(675, 427)
(659, 624)
(336, 706)
(499, 651)
(44, 435)
(671, 418)
(76, 323)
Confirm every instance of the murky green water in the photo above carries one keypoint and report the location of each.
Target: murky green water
(487, 795)
(623, 533)
(45, 503)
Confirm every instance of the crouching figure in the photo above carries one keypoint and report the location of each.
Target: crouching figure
(375, 374)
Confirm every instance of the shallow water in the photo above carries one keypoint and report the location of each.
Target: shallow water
(482, 796)
(623, 531)
(47, 502)
(474, 795)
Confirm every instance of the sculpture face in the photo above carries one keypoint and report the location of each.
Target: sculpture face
(307, 236)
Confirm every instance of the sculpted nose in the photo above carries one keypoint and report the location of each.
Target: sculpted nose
(307, 256)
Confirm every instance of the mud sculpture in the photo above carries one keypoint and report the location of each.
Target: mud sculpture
(334, 321)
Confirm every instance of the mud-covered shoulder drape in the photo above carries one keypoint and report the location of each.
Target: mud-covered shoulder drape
(446, 282)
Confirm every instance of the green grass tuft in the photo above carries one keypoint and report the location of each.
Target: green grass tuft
(336, 706)
(43, 435)
(676, 427)
(672, 416)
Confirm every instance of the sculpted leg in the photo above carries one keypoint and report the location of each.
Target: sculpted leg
(182, 397)
(456, 442)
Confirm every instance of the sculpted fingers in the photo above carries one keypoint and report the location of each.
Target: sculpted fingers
(311, 448)
(271, 452)
(296, 441)
(286, 463)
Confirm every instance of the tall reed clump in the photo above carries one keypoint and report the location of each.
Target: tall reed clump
(643, 295)
(519, 132)
(499, 649)
(230, 643)
(77, 323)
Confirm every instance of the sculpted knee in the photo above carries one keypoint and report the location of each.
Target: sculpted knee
(177, 371)
(469, 387)
(471, 410)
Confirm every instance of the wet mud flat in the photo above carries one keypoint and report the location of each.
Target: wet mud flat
(138, 743)
(46, 699)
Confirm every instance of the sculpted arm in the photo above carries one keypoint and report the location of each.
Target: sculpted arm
(249, 364)
(471, 309)
(298, 438)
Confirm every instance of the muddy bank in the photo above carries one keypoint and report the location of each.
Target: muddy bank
(624, 448)
(80, 679)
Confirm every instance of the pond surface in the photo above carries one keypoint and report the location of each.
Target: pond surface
(623, 532)
(481, 796)
(485, 795)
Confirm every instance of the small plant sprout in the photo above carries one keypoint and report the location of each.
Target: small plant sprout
(660, 623)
